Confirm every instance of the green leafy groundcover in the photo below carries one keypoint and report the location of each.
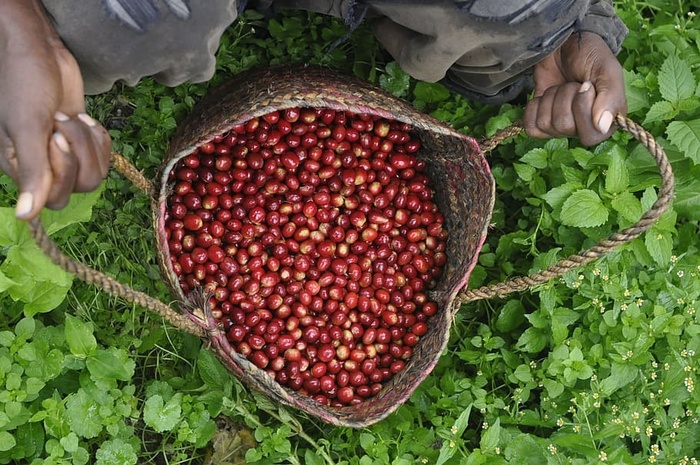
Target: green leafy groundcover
(599, 366)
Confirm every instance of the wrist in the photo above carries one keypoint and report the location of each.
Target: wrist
(23, 20)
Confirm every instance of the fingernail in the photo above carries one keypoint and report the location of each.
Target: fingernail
(61, 117)
(605, 122)
(61, 142)
(585, 87)
(87, 119)
(25, 203)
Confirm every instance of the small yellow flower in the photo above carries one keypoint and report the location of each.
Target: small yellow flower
(676, 423)
(689, 384)
(659, 237)
(623, 307)
(424, 460)
(606, 277)
(497, 450)
(687, 369)
(635, 415)
(649, 431)
(674, 259)
(560, 422)
(655, 449)
(639, 302)
(667, 401)
(485, 425)
(626, 293)
(453, 429)
(452, 444)
(602, 456)
(680, 273)
(552, 449)
(577, 428)
(652, 459)
(596, 272)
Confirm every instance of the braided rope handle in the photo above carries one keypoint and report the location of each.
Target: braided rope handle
(182, 321)
(603, 247)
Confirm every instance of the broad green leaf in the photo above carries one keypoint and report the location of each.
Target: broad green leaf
(511, 316)
(537, 158)
(431, 92)
(584, 209)
(12, 231)
(310, 458)
(491, 437)
(637, 94)
(621, 374)
(106, 364)
(79, 209)
(687, 201)
(525, 172)
(7, 441)
(395, 80)
(116, 451)
(162, 416)
(525, 450)
(562, 318)
(5, 282)
(532, 341)
(81, 341)
(463, 420)
(676, 81)
(212, 371)
(83, 415)
(628, 206)
(686, 136)
(617, 177)
(660, 111)
(659, 245)
(556, 196)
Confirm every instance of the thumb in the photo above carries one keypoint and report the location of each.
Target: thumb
(33, 174)
(610, 99)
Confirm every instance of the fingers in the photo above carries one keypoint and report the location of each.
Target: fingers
(566, 111)
(75, 159)
(89, 144)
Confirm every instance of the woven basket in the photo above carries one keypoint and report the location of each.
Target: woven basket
(464, 192)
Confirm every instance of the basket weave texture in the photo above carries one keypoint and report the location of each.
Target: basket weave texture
(460, 177)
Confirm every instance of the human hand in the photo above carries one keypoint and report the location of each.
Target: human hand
(48, 144)
(578, 91)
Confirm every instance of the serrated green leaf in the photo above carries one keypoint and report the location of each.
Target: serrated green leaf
(162, 416)
(676, 81)
(532, 341)
(78, 210)
(431, 92)
(686, 136)
(617, 177)
(584, 209)
(660, 111)
(81, 341)
(116, 451)
(628, 206)
(395, 80)
(537, 158)
(83, 415)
